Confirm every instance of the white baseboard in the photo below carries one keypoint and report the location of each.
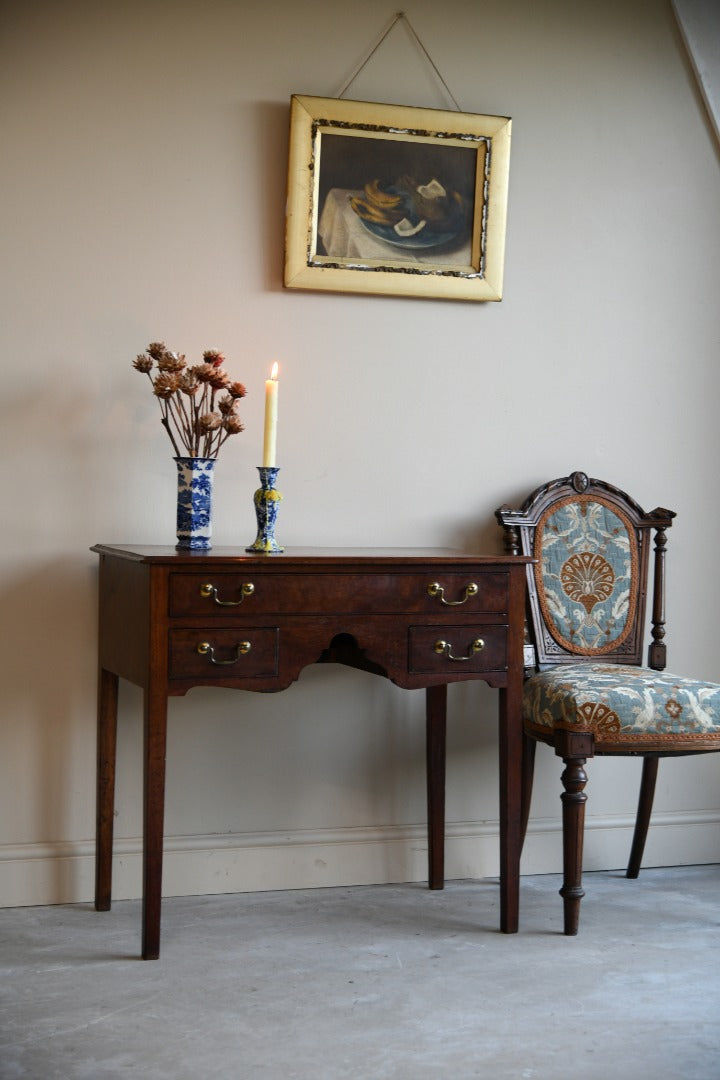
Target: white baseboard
(63, 873)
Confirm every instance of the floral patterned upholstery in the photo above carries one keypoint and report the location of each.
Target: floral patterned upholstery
(624, 705)
(586, 574)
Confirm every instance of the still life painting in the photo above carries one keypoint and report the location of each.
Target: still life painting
(396, 200)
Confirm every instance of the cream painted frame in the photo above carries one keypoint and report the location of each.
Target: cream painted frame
(480, 278)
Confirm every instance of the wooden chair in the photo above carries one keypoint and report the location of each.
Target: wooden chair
(588, 693)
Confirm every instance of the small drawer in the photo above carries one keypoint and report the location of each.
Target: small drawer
(435, 649)
(210, 653)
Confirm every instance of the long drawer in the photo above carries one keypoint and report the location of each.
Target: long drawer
(204, 594)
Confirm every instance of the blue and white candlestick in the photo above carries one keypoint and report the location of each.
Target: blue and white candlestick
(266, 500)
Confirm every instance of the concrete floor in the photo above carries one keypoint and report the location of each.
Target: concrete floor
(372, 983)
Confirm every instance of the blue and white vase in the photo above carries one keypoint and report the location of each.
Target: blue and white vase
(194, 502)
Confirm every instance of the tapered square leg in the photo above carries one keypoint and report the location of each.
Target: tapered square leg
(155, 740)
(105, 806)
(510, 746)
(436, 723)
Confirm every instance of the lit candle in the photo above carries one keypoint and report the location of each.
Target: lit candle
(271, 403)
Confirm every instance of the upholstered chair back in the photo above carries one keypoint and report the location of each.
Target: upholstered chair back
(587, 585)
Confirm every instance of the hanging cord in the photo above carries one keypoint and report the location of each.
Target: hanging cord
(398, 17)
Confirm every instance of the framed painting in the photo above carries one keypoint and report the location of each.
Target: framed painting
(396, 200)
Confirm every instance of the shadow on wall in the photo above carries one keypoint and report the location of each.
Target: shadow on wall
(48, 694)
(482, 538)
(272, 140)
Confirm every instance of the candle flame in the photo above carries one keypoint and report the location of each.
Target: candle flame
(274, 372)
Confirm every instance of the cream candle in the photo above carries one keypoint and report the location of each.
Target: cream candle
(271, 404)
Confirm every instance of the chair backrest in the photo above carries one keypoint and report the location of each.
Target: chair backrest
(587, 587)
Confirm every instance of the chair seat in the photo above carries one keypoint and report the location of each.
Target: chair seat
(624, 706)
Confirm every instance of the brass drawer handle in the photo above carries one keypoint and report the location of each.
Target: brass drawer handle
(444, 648)
(471, 589)
(241, 649)
(246, 589)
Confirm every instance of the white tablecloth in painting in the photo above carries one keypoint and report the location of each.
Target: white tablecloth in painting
(345, 237)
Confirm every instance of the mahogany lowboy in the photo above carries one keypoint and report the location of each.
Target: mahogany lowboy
(172, 620)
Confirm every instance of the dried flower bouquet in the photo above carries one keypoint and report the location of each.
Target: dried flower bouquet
(198, 402)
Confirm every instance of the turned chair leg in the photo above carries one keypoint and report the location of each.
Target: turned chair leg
(573, 798)
(528, 771)
(574, 749)
(642, 821)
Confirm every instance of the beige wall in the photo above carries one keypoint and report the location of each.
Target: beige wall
(143, 167)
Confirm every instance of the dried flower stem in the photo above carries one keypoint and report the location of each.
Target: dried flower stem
(166, 424)
(187, 397)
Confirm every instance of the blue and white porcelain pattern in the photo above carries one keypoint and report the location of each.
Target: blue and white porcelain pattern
(266, 499)
(194, 503)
